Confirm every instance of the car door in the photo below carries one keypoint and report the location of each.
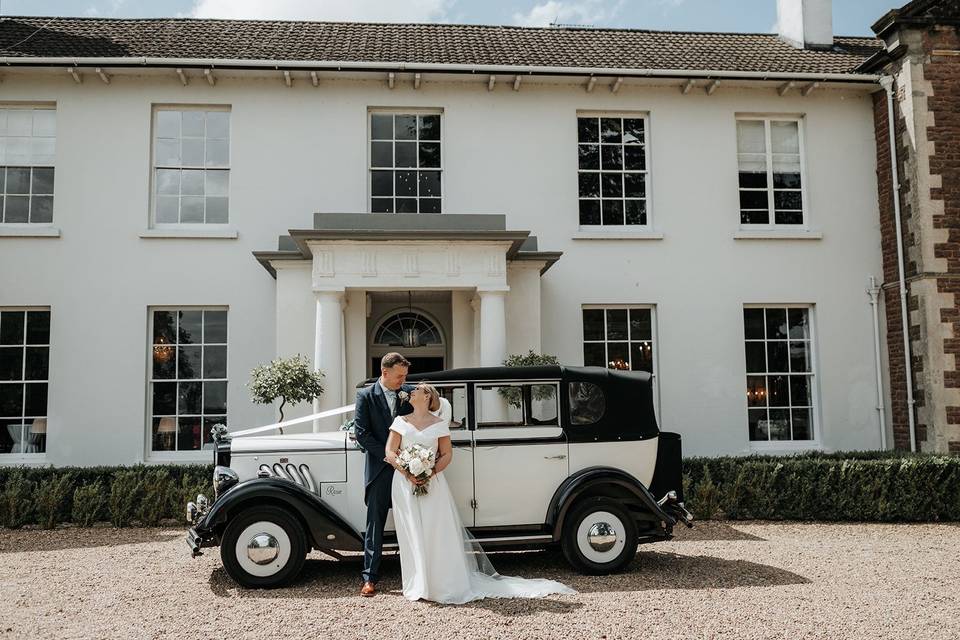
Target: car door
(520, 451)
(459, 473)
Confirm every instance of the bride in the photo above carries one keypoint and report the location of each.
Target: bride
(439, 559)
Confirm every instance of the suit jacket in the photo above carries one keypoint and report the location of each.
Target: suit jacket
(372, 420)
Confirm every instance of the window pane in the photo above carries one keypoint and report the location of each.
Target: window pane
(168, 181)
(406, 205)
(753, 200)
(406, 127)
(191, 152)
(17, 209)
(587, 403)
(168, 209)
(188, 362)
(499, 405)
(381, 183)
(192, 182)
(594, 354)
(217, 210)
(589, 212)
(612, 157)
(756, 391)
(798, 324)
(168, 124)
(800, 391)
(784, 137)
(191, 209)
(779, 424)
(751, 137)
(429, 205)
(12, 327)
(589, 156)
(11, 399)
(429, 154)
(610, 130)
(37, 363)
(164, 362)
(429, 183)
(218, 124)
(430, 127)
(753, 179)
(406, 183)
(640, 324)
(208, 423)
(192, 123)
(381, 126)
(776, 324)
(164, 398)
(406, 154)
(787, 200)
(588, 130)
(634, 185)
(218, 153)
(612, 185)
(777, 390)
(381, 154)
(216, 183)
(616, 324)
(35, 402)
(44, 122)
(167, 153)
(777, 356)
(38, 327)
(381, 205)
(191, 326)
(634, 157)
(188, 434)
(618, 355)
(612, 211)
(189, 397)
(543, 404)
(18, 180)
(801, 424)
(641, 356)
(636, 212)
(799, 357)
(756, 357)
(164, 327)
(593, 324)
(41, 209)
(214, 397)
(215, 362)
(214, 326)
(788, 217)
(589, 185)
(11, 363)
(42, 180)
(754, 217)
(164, 434)
(782, 180)
(757, 424)
(632, 130)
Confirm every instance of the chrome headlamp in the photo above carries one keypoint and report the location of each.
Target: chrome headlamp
(223, 479)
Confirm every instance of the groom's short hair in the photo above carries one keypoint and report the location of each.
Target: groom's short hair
(392, 359)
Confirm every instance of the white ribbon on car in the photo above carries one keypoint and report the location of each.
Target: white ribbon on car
(277, 425)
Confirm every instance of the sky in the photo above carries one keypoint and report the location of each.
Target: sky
(850, 17)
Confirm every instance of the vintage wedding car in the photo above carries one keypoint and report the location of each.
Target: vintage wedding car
(567, 456)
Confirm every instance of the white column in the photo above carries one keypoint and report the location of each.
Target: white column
(328, 355)
(493, 328)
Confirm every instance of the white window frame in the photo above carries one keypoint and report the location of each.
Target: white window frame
(31, 106)
(619, 229)
(197, 226)
(780, 446)
(403, 111)
(191, 455)
(654, 341)
(804, 200)
(33, 458)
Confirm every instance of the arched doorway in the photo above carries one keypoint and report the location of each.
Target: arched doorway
(415, 334)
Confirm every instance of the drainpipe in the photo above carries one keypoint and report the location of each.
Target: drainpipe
(887, 83)
(874, 293)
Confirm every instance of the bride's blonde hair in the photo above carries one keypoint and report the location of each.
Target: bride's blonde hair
(432, 393)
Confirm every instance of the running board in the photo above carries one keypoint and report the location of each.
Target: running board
(539, 539)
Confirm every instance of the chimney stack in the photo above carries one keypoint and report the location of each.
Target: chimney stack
(806, 24)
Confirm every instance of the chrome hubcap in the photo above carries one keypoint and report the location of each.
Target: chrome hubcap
(263, 549)
(602, 536)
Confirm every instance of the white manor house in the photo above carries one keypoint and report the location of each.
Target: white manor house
(183, 200)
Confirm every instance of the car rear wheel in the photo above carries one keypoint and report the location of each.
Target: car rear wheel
(599, 536)
(263, 547)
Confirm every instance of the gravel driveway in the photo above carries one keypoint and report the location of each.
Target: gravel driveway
(743, 580)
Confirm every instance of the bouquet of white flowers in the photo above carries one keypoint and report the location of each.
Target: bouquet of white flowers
(418, 461)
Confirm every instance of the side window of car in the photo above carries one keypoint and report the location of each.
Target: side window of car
(587, 403)
(516, 405)
(457, 396)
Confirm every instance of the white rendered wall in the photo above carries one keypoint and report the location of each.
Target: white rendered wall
(299, 150)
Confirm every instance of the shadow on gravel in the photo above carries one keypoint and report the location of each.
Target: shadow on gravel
(325, 578)
(31, 540)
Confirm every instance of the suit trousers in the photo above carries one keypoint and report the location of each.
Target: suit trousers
(378, 505)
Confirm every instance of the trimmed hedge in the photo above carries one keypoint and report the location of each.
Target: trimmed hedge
(143, 495)
(867, 486)
(858, 486)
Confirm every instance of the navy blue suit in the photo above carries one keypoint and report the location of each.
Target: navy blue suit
(372, 428)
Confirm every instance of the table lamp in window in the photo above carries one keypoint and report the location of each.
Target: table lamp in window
(38, 435)
(166, 432)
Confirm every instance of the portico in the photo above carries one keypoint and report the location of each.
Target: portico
(445, 285)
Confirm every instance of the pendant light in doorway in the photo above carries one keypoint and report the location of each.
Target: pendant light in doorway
(411, 333)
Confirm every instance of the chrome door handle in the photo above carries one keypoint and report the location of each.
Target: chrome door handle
(559, 457)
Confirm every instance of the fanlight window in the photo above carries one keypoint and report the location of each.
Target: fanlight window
(408, 329)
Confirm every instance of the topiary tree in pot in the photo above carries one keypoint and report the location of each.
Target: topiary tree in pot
(290, 379)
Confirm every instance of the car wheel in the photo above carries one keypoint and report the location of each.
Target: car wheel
(263, 547)
(599, 536)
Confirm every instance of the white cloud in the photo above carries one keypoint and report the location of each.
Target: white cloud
(334, 10)
(584, 12)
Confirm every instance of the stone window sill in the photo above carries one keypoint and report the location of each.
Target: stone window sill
(617, 234)
(784, 447)
(777, 234)
(26, 231)
(229, 234)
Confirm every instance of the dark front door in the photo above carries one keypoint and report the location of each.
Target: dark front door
(417, 365)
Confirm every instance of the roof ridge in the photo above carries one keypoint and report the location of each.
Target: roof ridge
(587, 29)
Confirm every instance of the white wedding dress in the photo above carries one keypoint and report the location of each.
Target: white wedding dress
(439, 559)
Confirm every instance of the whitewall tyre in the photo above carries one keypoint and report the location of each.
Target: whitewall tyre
(599, 536)
(263, 547)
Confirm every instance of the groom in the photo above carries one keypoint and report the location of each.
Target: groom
(376, 408)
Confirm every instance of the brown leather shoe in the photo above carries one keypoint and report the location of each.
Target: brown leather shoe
(368, 589)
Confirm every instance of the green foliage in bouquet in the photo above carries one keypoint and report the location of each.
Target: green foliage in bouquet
(291, 379)
(529, 359)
